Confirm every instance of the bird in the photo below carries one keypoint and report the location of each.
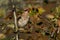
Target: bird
(24, 18)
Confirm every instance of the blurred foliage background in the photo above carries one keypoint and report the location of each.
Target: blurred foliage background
(45, 7)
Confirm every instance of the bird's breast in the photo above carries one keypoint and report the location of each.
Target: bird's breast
(23, 21)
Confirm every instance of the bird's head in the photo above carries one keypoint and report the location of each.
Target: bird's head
(27, 9)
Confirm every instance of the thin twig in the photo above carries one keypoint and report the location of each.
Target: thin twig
(16, 28)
